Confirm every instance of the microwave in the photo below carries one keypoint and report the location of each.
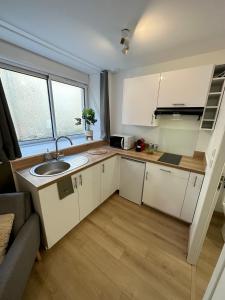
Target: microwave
(122, 141)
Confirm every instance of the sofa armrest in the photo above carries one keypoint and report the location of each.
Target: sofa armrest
(17, 265)
(19, 204)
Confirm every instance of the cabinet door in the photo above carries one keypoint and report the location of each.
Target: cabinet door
(164, 188)
(58, 216)
(88, 185)
(185, 88)
(191, 197)
(110, 177)
(140, 99)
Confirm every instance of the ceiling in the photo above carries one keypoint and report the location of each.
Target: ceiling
(85, 34)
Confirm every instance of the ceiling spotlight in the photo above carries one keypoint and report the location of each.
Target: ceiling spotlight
(124, 41)
(125, 50)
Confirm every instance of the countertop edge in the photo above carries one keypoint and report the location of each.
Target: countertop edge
(113, 152)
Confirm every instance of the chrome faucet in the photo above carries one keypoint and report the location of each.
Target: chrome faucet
(57, 154)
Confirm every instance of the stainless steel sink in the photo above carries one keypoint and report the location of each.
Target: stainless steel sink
(50, 168)
(57, 167)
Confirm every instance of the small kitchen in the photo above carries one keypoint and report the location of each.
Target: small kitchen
(142, 172)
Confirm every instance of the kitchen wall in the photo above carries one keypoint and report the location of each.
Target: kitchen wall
(94, 101)
(178, 136)
(15, 55)
(12, 54)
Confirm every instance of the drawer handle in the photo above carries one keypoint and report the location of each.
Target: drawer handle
(195, 180)
(179, 104)
(103, 168)
(167, 171)
(146, 175)
(75, 182)
(81, 181)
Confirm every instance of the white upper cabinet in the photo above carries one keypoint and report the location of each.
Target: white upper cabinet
(185, 88)
(140, 100)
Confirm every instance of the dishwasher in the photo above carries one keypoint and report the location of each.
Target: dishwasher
(131, 179)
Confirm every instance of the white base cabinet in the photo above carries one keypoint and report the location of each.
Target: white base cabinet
(172, 191)
(191, 197)
(109, 177)
(90, 188)
(167, 189)
(57, 216)
(164, 188)
(88, 185)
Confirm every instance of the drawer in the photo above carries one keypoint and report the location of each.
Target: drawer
(170, 171)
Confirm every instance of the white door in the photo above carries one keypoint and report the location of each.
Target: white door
(216, 287)
(207, 198)
(88, 185)
(185, 88)
(110, 177)
(191, 197)
(164, 188)
(58, 216)
(140, 99)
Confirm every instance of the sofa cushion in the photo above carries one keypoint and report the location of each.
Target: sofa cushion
(18, 204)
(6, 223)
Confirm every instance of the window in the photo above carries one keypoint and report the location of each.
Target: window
(27, 97)
(42, 108)
(69, 102)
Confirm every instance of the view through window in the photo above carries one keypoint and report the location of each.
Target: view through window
(32, 111)
(68, 109)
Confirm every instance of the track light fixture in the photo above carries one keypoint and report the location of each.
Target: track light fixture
(125, 40)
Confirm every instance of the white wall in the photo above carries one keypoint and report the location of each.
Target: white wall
(186, 131)
(15, 55)
(94, 101)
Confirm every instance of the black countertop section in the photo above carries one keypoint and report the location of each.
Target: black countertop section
(170, 158)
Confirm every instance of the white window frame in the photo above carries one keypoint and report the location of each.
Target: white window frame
(49, 78)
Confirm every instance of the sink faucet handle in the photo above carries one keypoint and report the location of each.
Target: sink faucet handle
(58, 155)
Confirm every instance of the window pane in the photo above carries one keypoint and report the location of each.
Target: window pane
(27, 97)
(68, 104)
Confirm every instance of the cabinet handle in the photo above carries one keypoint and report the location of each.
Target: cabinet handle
(146, 175)
(81, 181)
(103, 168)
(75, 182)
(222, 180)
(196, 177)
(179, 104)
(122, 143)
(167, 171)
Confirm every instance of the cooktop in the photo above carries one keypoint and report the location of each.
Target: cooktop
(170, 158)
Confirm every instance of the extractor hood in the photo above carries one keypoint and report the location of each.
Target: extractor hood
(195, 111)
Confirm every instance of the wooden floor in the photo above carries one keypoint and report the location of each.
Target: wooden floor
(121, 251)
(210, 253)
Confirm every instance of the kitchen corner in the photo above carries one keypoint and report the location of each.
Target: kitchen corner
(196, 164)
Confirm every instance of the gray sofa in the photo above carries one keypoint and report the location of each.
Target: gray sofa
(23, 247)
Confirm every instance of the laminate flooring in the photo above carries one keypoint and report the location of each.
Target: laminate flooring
(121, 251)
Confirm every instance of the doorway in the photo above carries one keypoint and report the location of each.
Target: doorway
(210, 253)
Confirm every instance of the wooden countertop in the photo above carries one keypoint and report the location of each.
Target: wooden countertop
(187, 163)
